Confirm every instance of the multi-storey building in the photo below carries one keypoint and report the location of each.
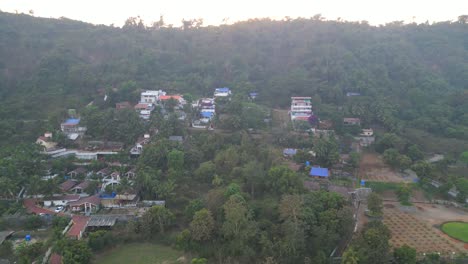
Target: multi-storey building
(151, 97)
(301, 108)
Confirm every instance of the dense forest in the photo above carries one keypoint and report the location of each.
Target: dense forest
(409, 76)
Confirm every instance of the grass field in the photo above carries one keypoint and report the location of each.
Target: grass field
(458, 230)
(141, 253)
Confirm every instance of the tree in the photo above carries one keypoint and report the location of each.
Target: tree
(404, 162)
(76, 252)
(293, 227)
(373, 245)
(391, 156)
(374, 204)
(404, 193)
(205, 172)
(326, 152)
(283, 180)
(175, 160)
(202, 225)
(415, 153)
(464, 158)
(350, 257)
(404, 255)
(157, 219)
(423, 169)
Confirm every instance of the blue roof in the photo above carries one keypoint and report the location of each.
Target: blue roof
(207, 114)
(72, 121)
(222, 90)
(320, 172)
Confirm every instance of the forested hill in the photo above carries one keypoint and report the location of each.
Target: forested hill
(416, 75)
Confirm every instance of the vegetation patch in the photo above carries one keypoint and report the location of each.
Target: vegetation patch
(139, 253)
(457, 230)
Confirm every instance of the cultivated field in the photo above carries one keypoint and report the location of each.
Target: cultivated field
(409, 229)
(373, 168)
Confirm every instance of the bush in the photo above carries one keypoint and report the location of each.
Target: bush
(33, 222)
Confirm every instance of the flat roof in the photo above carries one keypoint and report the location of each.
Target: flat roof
(71, 121)
(102, 221)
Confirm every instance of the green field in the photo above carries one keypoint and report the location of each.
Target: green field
(141, 253)
(458, 230)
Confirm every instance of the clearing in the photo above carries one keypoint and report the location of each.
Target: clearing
(458, 230)
(373, 168)
(142, 253)
(280, 118)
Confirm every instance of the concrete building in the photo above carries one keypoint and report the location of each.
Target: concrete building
(301, 108)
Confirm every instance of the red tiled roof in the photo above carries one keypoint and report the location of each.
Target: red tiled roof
(167, 97)
(142, 106)
(55, 259)
(67, 185)
(82, 185)
(79, 225)
(123, 105)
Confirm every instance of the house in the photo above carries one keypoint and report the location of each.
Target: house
(435, 183)
(137, 149)
(222, 92)
(253, 95)
(289, 152)
(177, 97)
(367, 132)
(151, 96)
(319, 172)
(46, 141)
(350, 121)
(62, 200)
(81, 187)
(71, 127)
(301, 108)
(78, 227)
(176, 138)
(80, 171)
(143, 106)
(67, 185)
(120, 201)
(131, 174)
(104, 172)
(123, 105)
(87, 204)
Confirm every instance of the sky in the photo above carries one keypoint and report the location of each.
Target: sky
(214, 12)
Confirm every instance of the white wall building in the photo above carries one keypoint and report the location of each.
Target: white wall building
(301, 107)
(151, 96)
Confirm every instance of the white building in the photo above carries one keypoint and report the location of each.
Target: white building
(301, 108)
(151, 96)
(222, 92)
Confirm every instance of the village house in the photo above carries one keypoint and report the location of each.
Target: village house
(137, 149)
(319, 172)
(71, 127)
(131, 174)
(222, 92)
(80, 171)
(88, 204)
(123, 105)
(62, 200)
(81, 187)
(104, 172)
(78, 227)
(151, 96)
(289, 152)
(367, 132)
(120, 201)
(351, 121)
(67, 185)
(46, 141)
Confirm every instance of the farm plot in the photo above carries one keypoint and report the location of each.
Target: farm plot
(407, 229)
(373, 168)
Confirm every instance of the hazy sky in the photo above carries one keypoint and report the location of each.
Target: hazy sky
(214, 11)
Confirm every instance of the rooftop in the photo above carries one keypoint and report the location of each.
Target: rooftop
(67, 185)
(320, 172)
(79, 225)
(95, 199)
(167, 97)
(71, 122)
(222, 90)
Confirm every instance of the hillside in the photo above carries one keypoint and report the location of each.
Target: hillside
(408, 75)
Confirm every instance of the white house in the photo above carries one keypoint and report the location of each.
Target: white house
(62, 200)
(301, 108)
(222, 92)
(367, 132)
(151, 96)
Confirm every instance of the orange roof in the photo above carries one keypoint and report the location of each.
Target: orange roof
(79, 225)
(167, 97)
(55, 259)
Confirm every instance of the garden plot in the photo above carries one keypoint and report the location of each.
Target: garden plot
(409, 230)
(373, 168)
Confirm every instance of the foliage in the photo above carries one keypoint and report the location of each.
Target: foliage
(202, 225)
(326, 152)
(404, 255)
(33, 222)
(156, 220)
(372, 245)
(404, 194)
(101, 239)
(28, 253)
(374, 204)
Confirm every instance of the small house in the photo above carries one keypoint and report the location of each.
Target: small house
(81, 187)
(80, 171)
(104, 172)
(87, 204)
(367, 132)
(222, 92)
(351, 121)
(123, 105)
(253, 95)
(67, 185)
(131, 174)
(62, 200)
(319, 172)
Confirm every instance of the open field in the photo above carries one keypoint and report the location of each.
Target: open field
(280, 118)
(458, 230)
(373, 168)
(141, 253)
(410, 230)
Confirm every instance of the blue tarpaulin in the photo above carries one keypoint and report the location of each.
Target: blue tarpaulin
(222, 90)
(72, 121)
(207, 114)
(319, 172)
